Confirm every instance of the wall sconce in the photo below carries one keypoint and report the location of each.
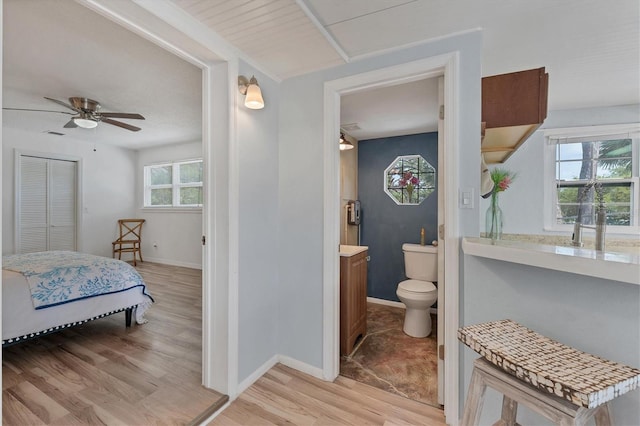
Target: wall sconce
(251, 89)
(344, 143)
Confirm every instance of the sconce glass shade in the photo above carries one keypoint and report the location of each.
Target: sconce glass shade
(254, 97)
(85, 123)
(344, 143)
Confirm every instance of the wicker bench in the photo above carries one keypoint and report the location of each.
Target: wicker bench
(565, 385)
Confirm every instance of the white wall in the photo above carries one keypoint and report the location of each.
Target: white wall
(528, 161)
(301, 183)
(176, 234)
(259, 297)
(108, 177)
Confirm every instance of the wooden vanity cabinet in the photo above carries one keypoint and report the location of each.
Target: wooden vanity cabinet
(353, 300)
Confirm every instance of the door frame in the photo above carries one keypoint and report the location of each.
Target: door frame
(157, 22)
(446, 65)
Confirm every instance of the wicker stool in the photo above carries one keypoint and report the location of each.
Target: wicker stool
(563, 384)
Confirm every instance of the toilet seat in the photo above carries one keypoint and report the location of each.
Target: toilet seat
(416, 286)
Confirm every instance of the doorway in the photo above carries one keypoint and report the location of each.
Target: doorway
(392, 172)
(446, 66)
(219, 288)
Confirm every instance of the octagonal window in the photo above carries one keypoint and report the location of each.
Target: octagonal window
(409, 180)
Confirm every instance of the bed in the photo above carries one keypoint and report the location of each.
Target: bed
(47, 291)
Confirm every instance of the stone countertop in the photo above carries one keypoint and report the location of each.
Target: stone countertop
(623, 267)
(348, 251)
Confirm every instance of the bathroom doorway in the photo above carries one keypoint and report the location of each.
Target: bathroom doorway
(388, 126)
(446, 65)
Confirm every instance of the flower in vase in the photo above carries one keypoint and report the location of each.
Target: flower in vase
(502, 179)
(409, 182)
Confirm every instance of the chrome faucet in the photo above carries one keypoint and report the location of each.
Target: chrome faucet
(601, 219)
(601, 223)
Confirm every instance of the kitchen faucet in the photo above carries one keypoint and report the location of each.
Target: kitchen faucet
(601, 220)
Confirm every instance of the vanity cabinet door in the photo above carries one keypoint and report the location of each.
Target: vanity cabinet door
(353, 300)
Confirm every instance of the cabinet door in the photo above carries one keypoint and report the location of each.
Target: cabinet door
(359, 297)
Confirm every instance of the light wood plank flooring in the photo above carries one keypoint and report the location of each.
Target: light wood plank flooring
(102, 373)
(287, 396)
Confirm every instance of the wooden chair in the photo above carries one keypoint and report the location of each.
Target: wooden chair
(130, 238)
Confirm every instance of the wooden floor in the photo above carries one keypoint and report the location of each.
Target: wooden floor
(287, 396)
(102, 373)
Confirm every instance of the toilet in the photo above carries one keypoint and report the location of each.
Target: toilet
(418, 293)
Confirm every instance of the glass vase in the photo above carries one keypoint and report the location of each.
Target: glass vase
(493, 224)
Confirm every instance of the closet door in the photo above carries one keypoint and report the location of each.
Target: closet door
(47, 201)
(32, 205)
(62, 205)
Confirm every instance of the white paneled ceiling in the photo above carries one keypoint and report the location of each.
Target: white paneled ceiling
(591, 49)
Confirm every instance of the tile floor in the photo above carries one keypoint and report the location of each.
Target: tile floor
(389, 359)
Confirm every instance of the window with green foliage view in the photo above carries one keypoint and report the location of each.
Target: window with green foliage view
(176, 184)
(612, 162)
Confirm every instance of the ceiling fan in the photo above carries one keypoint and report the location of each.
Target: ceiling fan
(86, 114)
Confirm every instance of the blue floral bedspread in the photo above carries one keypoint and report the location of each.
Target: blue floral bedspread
(58, 277)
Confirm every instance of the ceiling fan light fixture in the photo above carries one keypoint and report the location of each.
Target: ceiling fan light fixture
(85, 123)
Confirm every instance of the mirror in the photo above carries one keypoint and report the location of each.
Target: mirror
(409, 180)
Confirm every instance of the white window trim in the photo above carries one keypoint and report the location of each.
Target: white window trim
(175, 185)
(550, 195)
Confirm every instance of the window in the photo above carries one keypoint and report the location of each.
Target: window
(176, 184)
(409, 179)
(591, 166)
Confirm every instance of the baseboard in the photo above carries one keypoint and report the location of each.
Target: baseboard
(285, 360)
(301, 366)
(259, 372)
(173, 262)
(386, 302)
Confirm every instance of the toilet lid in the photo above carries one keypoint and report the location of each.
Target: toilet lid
(417, 286)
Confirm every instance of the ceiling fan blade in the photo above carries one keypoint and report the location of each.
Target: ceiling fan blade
(37, 110)
(63, 104)
(70, 124)
(121, 115)
(121, 124)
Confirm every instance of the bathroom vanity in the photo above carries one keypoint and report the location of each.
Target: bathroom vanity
(353, 296)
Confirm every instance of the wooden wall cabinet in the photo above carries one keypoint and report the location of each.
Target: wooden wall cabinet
(514, 105)
(353, 300)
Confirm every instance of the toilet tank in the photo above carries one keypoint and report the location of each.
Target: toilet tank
(421, 262)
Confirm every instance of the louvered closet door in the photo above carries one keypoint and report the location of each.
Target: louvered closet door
(47, 204)
(33, 204)
(62, 205)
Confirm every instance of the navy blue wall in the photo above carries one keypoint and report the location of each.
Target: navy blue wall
(385, 225)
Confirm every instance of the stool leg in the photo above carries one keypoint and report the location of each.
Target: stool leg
(509, 413)
(603, 415)
(475, 399)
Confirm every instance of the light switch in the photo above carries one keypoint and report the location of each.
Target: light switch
(466, 198)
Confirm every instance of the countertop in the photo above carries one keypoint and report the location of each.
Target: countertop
(348, 251)
(624, 267)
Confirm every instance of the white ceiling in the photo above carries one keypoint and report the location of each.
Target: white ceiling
(61, 49)
(591, 49)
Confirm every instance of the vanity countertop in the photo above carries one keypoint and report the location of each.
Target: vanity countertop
(624, 267)
(348, 251)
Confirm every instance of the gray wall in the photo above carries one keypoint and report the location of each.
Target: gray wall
(528, 162)
(301, 182)
(386, 225)
(258, 294)
(597, 316)
(593, 315)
